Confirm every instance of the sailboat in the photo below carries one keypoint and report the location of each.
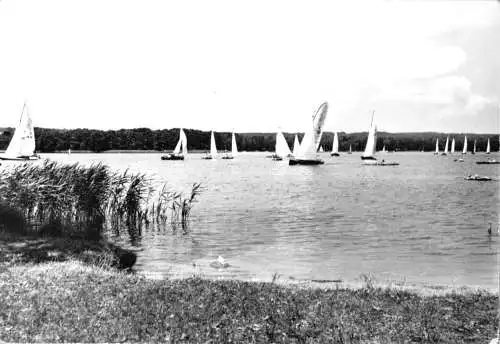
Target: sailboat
(383, 150)
(234, 149)
(282, 150)
(369, 153)
(446, 147)
(321, 150)
(474, 148)
(465, 146)
(452, 146)
(488, 147)
(22, 144)
(335, 147)
(437, 147)
(307, 152)
(181, 146)
(296, 146)
(213, 148)
(350, 150)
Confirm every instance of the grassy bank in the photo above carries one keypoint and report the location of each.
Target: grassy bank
(78, 303)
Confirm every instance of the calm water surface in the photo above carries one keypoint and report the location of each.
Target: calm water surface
(419, 222)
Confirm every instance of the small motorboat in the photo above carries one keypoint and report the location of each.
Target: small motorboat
(293, 162)
(477, 177)
(488, 162)
(172, 157)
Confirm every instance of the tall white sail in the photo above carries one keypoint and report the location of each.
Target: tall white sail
(437, 146)
(310, 142)
(296, 146)
(234, 147)
(282, 148)
(181, 144)
(453, 146)
(474, 148)
(446, 146)
(488, 147)
(465, 145)
(184, 143)
(372, 140)
(335, 147)
(22, 143)
(350, 148)
(213, 147)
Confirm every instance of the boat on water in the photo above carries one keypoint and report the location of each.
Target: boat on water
(477, 177)
(452, 146)
(180, 150)
(213, 149)
(307, 152)
(368, 156)
(369, 153)
(350, 150)
(436, 152)
(488, 147)
(22, 145)
(281, 149)
(446, 147)
(488, 162)
(321, 150)
(234, 149)
(335, 147)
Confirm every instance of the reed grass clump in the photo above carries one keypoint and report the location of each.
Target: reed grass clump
(55, 199)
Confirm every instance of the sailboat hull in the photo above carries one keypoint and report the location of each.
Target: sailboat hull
(293, 162)
(227, 157)
(209, 157)
(172, 157)
(335, 154)
(367, 158)
(28, 158)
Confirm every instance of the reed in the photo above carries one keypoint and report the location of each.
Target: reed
(58, 199)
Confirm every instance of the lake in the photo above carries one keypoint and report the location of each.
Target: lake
(419, 223)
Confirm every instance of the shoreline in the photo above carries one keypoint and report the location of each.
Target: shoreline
(76, 302)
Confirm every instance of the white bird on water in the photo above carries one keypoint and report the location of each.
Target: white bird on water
(220, 263)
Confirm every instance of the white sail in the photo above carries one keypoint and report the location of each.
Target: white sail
(181, 144)
(437, 146)
(184, 143)
(296, 146)
(213, 147)
(282, 148)
(234, 147)
(350, 148)
(335, 147)
(446, 146)
(383, 149)
(22, 143)
(453, 146)
(321, 150)
(465, 145)
(310, 142)
(488, 147)
(372, 140)
(474, 148)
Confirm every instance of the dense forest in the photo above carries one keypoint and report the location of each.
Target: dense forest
(53, 140)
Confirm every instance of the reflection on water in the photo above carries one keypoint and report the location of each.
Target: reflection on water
(420, 220)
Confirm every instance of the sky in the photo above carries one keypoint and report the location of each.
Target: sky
(251, 66)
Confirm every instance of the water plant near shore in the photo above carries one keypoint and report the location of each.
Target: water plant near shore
(56, 199)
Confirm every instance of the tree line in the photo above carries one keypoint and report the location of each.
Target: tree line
(54, 140)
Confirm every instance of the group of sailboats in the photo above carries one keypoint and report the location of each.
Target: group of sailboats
(464, 149)
(180, 151)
